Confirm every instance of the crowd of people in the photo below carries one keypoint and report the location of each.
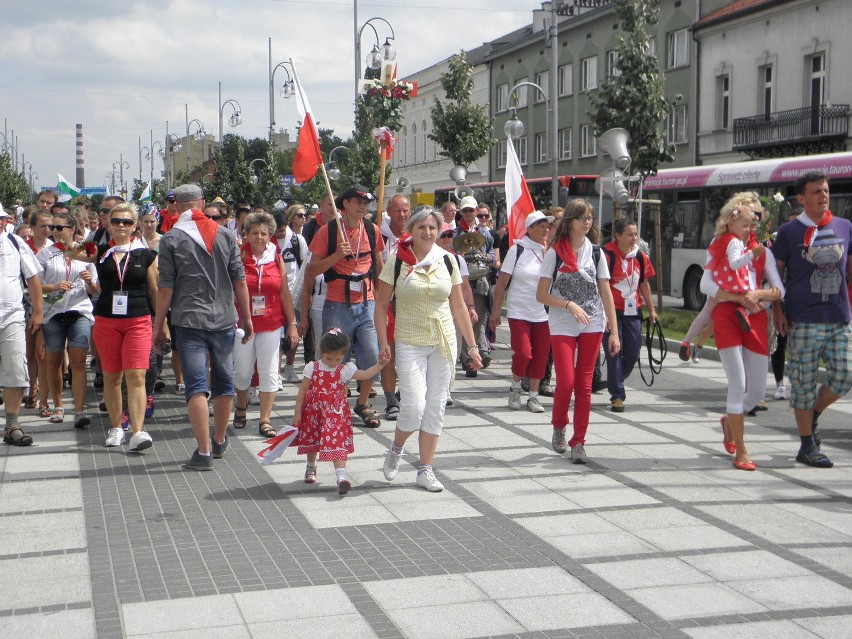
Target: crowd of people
(232, 291)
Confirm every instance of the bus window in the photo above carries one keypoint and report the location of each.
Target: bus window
(686, 218)
(841, 205)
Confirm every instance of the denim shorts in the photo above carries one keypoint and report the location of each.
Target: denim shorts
(357, 322)
(61, 327)
(194, 345)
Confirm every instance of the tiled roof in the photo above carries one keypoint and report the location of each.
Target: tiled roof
(735, 9)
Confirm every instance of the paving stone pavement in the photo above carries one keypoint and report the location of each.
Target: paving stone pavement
(658, 536)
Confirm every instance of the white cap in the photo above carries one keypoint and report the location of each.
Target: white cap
(538, 216)
(468, 202)
(3, 211)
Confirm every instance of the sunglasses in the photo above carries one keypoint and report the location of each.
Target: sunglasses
(467, 210)
(170, 200)
(104, 210)
(121, 221)
(447, 235)
(58, 227)
(483, 216)
(215, 218)
(301, 215)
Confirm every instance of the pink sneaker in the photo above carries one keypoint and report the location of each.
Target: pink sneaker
(149, 407)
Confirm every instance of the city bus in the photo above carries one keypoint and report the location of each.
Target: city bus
(494, 193)
(692, 196)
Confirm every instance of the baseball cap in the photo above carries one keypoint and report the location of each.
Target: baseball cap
(468, 202)
(536, 217)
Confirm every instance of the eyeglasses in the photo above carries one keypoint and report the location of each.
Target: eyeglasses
(215, 218)
(585, 218)
(58, 227)
(467, 210)
(484, 216)
(302, 215)
(121, 221)
(447, 235)
(104, 210)
(170, 200)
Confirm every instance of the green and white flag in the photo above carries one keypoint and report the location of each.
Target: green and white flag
(67, 191)
(146, 194)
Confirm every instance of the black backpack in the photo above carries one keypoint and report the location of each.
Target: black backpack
(295, 250)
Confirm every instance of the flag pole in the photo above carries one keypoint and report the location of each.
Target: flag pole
(380, 193)
(331, 195)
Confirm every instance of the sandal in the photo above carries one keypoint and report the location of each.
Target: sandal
(45, 412)
(311, 474)
(81, 420)
(392, 412)
(240, 420)
(16, 437)
(265, 429)
(30, 401)
(367, 415)
(57, 416)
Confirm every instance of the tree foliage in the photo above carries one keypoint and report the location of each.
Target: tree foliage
(13, 186)
(634, 99)
(461, 128)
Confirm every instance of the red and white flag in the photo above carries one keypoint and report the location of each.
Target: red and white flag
(308, 154)
(519, 202)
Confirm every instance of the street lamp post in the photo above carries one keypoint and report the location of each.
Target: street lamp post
(514, 128)
(122, 164)
(198, 135)
(287, 89)
(234, 120)
(334, 172)
(33, 176)
(377, 55)
(253, 178)
(147, 156)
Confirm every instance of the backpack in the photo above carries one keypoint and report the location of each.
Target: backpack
(331, 275)
(295, 250)
(640, 257)
(17, 246)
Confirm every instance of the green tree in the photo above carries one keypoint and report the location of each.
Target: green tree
(461, 128)
(13, 186)
(634, 99)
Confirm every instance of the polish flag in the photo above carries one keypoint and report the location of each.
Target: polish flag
(308, 154)
(519, 202)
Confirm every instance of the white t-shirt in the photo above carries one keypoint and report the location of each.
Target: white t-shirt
(13, 264)
(525, 271)
(54, 268)
(346, 373)
(581, 288)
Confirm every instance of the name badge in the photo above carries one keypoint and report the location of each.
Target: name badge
(258, 305)
(355, 286)
(119, 303)
(630, 307)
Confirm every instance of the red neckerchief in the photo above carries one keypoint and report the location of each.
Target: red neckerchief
(318, 218)
(566, 253)
(403, 249)
(811, 232)
(60, 246)
(464, 226)
(206, 227)
(31, 244)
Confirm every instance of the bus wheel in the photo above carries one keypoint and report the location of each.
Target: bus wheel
(693, 298)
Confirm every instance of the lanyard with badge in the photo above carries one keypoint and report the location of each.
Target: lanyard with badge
(356, 286)
(258, 302)
(628, 266)
(120, 297)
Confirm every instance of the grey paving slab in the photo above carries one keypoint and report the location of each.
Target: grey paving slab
(754, 630)
(68, 624)
(695, 600)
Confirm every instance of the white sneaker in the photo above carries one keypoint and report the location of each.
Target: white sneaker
(578, 454)
(180, 388)
(426, 479)
(253, 397)
(781, 391)
(140, 441)
(391, 467)
(115, 437)
(696, 354)
(210, 407)
(290, 374)
(515, 398)
(534, 406)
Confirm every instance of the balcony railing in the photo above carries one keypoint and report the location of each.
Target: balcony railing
(818, 125)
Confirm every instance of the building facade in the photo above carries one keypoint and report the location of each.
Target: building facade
(773, 79)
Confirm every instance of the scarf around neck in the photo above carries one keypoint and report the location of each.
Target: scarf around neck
(199, 227)
(813, 227)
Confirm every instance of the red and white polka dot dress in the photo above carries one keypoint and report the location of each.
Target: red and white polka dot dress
(326, 426)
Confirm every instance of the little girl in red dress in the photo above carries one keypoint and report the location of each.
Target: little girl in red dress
(729, 258)
(322, 413)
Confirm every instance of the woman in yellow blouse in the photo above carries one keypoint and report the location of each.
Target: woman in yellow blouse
(426, 283)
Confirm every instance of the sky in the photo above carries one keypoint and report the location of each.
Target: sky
(123, 69)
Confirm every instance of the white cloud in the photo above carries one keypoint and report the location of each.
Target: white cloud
(123, 69)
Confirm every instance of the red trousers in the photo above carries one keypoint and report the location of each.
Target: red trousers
(574, 360)
(530, 347)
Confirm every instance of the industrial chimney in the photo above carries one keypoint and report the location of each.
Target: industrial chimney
(80, 182)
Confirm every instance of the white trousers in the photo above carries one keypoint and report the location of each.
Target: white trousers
(262, 348)
(746, 372)
(424, 379)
